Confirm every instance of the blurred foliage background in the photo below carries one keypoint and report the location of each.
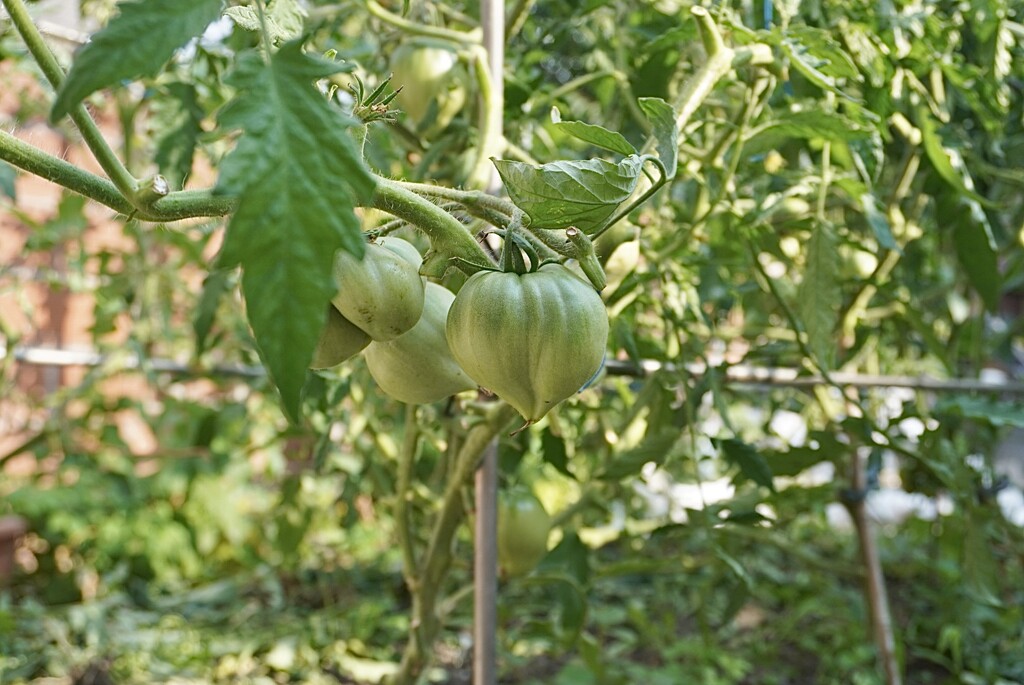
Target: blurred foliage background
(855, 211)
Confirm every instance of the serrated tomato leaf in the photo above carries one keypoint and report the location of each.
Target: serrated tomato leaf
(819, 293)
(878, 222)
(809, 125)
(665, 132)
(972, 236)
(553, 448)
(298, 176)
(583, 193)
(177, 120)
(598, 136)
(751, 464)
(654, 448)
(948, 162)
(284, 19)
(138, 41)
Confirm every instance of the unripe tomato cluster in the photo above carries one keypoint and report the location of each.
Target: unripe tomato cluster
(533, 339)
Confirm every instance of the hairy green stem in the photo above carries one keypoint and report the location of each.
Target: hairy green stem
(426, 622)
(517, 17)
(472, 200)
(489, 138)
(126, 183)
(33, 160)
(570, 86)
(718, 64)
(183, 204)
(447, 235)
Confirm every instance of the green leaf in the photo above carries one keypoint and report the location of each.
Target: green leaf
(807, 125)
(796, 459)
(878, 222)
(569, 557)
(554, 452)
(654, 448)
(7, 176)
(583, 193)
(822, 61)
(216, 284)
(298, 176)
(597, 135)
(819, 295)
(137, 42)
(751, 464)
(285, 19)
(984, 410)
(569, 604)
(948, 162)
(972, 236)
(665, 132)
(176, 120)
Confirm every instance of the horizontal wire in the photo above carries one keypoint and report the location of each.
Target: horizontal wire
(740, 374)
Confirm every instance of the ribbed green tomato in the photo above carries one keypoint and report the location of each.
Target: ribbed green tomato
(417, 367)
(382, 294)
(523, 528)
(339, 340)
(428, 75)
(532, 339)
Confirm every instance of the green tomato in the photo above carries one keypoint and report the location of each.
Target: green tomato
(431, 82)
(339, 340)
(382, 294)
(523, 528)
(532, 339)
(402, 248)
(417, 367)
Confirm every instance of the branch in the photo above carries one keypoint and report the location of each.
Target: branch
(123, 180)
(475, 201)
(447, 236)
(183, 204)
(489, 141)
(471, 37)
(426, 623)
(406, 461)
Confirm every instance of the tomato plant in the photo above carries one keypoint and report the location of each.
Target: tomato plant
(793, 229)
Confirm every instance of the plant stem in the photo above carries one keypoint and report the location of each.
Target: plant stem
(183, 204)
(489, 141)
(517, 17)
(123, 180)
(470, 199)
(447, 235)
(406, 460)
(471, 37)
(56, 170)
(426, 624)
(700, 85)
